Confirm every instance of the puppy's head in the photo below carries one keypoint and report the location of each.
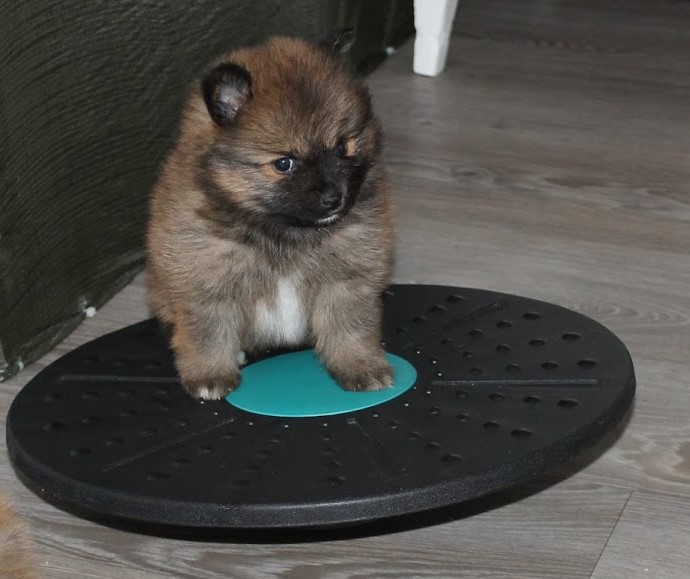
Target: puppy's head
(292, 135)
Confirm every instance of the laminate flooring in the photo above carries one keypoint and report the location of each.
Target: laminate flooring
(551, 159)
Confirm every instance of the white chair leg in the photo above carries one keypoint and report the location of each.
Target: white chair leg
(433, 20)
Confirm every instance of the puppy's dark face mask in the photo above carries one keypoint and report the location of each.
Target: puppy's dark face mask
(295, 135)
(317, 189)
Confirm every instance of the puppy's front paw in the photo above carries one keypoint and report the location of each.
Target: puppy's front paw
(210, 387)
(367, 377)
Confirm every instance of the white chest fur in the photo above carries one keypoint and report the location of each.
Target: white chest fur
(283, 321)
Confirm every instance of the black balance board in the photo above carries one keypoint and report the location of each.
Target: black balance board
(506, 389)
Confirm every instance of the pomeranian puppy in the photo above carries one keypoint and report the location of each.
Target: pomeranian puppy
(271, 223)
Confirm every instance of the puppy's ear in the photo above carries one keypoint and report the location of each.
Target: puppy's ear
(339, 40)
(226, 89)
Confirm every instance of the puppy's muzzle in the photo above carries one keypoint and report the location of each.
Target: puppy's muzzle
(331, 199)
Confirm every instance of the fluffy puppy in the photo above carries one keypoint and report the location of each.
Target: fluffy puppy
(271, 223)
(15, 559)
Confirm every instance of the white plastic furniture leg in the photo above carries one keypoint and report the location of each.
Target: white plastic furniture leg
(433, 20)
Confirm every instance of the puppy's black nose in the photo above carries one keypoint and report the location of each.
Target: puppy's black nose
(331, 199)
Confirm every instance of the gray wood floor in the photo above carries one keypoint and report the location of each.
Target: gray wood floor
(552, 160)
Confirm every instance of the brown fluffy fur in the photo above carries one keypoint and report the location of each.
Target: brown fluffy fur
(14, 546)
(214, 260)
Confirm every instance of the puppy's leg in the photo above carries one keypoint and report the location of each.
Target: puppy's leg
(207, 351)
(346, 322)
(158, 298)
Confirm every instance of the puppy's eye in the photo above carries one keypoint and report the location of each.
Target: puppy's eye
(285, 165)
(346, 147)
(341, 148)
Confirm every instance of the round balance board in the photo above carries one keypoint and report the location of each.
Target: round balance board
(505, 389)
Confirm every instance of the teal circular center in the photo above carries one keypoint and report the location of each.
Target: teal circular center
(297, 385)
